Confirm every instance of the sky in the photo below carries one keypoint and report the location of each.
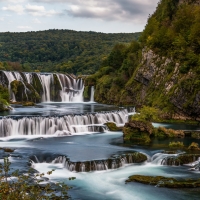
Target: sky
(108, 16)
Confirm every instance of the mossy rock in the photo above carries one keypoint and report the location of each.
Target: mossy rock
(28, 103)
(161, 181)
(162, 132)
(176, 145)
(112, 126)
(194, 146)
(135, 137)
(87, 93)
(137, 132)
(24, 91)
(55, 89)
(138, 157)
(195, 135)
(182, 159)
(37, 83)
(8, 150)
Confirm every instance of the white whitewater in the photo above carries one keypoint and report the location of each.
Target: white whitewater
(66, 125)
(46, 80)
(72, 89)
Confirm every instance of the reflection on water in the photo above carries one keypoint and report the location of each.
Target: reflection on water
(178, 126)
(50, 109)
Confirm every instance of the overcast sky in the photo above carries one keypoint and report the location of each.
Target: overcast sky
(109, 16)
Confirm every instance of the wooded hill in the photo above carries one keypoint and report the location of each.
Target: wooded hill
(58, 50)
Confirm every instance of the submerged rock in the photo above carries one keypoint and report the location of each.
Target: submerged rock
(161, 181)
(28, 103)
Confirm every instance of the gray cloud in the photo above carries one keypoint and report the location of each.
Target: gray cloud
(123, 10)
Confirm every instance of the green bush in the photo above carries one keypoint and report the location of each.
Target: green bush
(176, 144)
(27, 186)
(147, 114)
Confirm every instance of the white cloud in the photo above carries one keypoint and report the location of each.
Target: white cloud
(1, 18)
(36, 21)
(13, 1)
(36, 10)
(24, 27)
(14, 8)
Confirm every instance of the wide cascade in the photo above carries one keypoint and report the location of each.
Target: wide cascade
(42, 87)
(65, 125)
(92, 165)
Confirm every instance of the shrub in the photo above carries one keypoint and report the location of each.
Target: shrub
(176, 144)
(194, 146)
(147, 114)
(27, 186)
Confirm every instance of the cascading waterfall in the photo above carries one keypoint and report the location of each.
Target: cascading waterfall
(71, 89)
(87, 166)
(66, 125)
(46, 80)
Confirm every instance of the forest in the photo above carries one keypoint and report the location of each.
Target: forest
(65, 51)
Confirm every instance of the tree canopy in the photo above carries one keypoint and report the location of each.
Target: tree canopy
(59, 50)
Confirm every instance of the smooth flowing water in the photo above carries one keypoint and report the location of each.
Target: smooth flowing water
(31, 139)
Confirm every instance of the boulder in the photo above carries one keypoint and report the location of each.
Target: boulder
(137, 132)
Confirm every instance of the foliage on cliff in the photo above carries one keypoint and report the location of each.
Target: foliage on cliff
(162, 70)
(174, 32)
(4, 98)
(114, 74)
(58, 50)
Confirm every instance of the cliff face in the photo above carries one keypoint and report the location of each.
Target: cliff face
(161, 82)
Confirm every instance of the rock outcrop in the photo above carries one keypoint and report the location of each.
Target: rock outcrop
(137, 132)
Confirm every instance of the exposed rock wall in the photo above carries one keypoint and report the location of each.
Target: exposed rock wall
(161, 75)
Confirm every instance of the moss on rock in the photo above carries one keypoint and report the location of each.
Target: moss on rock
(162, 181)
(137, 132)
(24, 91)
(112, 126)
(194, 146)
(162, 132)
(28, 103)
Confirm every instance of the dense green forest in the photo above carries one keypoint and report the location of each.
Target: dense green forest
(58, 50)
(162, 68)
(174, 31)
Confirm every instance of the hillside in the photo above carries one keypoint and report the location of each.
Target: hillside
(162, 70)
(58, 50)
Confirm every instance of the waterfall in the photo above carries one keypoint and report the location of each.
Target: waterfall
(72, 89)
(65, 125)
(92, 94)
(46, 80)
(48, 85)
(87, 166)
